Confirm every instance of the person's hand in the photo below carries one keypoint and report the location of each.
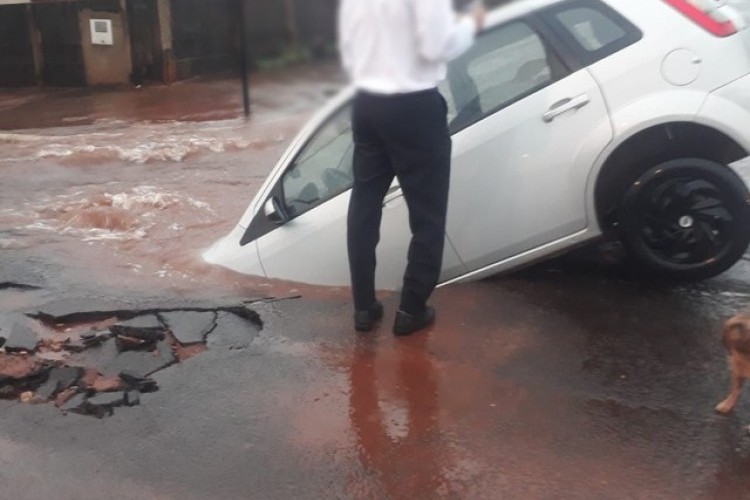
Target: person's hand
(478, 15)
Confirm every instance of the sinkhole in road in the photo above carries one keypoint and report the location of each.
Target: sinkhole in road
(95, 361)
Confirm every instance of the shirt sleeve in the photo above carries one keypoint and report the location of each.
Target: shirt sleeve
(440, 35)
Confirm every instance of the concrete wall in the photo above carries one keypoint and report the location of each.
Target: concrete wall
(106, 64)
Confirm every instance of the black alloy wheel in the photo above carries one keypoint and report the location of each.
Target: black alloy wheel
(687, 219)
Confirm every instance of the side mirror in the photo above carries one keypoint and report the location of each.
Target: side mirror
(276, 211)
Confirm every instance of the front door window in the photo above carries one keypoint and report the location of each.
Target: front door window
(323, 168)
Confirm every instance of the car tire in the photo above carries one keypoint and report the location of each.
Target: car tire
(686, 219)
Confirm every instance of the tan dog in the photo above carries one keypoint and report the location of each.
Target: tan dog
(736, 338)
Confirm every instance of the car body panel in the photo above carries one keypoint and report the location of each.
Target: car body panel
(227, 252)
(727, 109)
(488, 222)
(636, 72)
(677, 105)
(303, 248)
(743, 7)
(528, 257)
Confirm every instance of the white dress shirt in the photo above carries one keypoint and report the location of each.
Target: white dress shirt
(399, 46)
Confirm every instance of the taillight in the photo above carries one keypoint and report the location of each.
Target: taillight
(706, 14)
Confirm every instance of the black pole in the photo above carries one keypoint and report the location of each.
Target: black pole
(243, 58)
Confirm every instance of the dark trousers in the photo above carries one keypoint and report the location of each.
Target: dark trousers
(406, 136)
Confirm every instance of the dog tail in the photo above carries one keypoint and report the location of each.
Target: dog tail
(736, 335)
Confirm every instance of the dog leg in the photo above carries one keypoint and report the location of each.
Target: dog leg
(734, 392)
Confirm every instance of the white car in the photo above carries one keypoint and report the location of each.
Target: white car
(570, 119)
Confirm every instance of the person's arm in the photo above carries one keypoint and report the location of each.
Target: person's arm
(441, 36)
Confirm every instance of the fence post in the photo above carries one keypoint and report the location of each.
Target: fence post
(243, 56)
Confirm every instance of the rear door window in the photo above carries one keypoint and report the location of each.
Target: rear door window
(592, 29)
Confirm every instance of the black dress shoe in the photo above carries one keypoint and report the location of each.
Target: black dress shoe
(365, 320)
(406, 323)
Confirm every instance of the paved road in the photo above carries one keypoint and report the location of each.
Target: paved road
(567, 380)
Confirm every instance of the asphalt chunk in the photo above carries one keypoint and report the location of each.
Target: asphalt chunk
(142, 363)
(190, 327)
(59, 379)
(142, 322)
(19, 333)
(232, 332)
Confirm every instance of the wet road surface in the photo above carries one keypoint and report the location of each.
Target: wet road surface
(572, 379)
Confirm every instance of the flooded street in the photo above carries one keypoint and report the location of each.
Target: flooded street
(142, 197)
(571, 379)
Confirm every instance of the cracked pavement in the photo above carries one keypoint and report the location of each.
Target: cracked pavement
(94, 361)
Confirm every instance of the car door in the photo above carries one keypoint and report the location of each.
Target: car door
(528, 129)
(301, 230)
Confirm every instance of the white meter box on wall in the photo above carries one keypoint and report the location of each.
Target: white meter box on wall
(101, 32)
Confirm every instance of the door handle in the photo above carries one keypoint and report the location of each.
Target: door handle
(569, 104)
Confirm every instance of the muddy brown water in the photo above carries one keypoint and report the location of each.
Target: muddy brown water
(138, 201)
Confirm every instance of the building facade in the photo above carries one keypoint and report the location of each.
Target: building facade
(110, 42)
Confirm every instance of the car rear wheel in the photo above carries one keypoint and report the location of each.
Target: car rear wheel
(687, 219)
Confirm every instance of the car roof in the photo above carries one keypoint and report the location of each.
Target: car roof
(515, 8)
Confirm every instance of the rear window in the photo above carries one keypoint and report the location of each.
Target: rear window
(593, 29)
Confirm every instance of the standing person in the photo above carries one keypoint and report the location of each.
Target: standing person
(395, 52)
